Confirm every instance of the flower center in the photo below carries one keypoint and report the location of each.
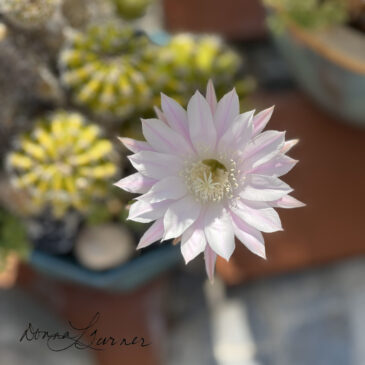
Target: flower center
(210, 180)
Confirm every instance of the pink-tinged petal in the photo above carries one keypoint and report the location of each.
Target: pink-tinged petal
(171, 187)
(288, 145)
(153, 234)
(249, 236)
(134, 145)
(201, 126)
(175, 115)
(263, 219)
(211, 96)
(279, 165)
(160, 115)
(156, 165)
(288, 202)
(263, 148)
(219, 230)
(227, 110)
(264, 188)
(137, 209)
(144, 212)
(163, 139)
(261, 119)
(210, 258)
(136, 183)
(179, 216)
(238, 133)
(193, 240)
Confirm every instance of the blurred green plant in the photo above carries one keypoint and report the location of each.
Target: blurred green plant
(106, 69)
(131, 9)
(13, 238)
(28, 13)
(63, 163)
(310, 14)
(187, 62)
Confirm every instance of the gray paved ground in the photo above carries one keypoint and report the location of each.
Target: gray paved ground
(17, 309)
(314, 317)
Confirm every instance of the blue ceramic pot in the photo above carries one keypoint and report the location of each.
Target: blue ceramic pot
(328, 65)
(131, 275)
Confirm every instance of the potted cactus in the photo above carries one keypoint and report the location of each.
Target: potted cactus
(97, 77)
(323, 43)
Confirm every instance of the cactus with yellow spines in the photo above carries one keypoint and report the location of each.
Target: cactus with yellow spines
(62, 163)
(28, 13)
(131, 9)
(106, 68)
(190, 61)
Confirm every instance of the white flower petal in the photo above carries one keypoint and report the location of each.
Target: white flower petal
(153, 234)
(180, 216)
(163, 139)
(264, 188)
(238, 133)
(264, 219)
(175, 115)
(227, 110)
(219, 230)
(210, 258)
(288, 145)
(201, 126)
(211, 96)
(156, 165)
(263, 148)
(193, 240)
(288, 202)
(134, 145)
(136, 183)
(143, 212)
(249, 236)
(171, 187)
(261, 119)
(279, 165)
(160, 115)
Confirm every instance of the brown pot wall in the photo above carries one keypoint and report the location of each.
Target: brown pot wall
(122, 315)
(234, 19)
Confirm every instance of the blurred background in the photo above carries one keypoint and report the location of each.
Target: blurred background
(74, 75)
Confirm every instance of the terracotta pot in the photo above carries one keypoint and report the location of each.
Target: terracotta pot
(329, 65)
(122, 315)
(234, 19)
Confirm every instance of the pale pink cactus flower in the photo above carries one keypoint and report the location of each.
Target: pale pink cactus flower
(209, 174)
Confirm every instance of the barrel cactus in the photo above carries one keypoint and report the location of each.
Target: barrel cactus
(190, 61)
(62, 163)
(106, 69)
(131, 9)
(28, 13)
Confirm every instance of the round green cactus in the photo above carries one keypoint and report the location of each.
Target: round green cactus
(106, 69)
(63, 163)
(131, 9)
(28, 13)
(189, 62)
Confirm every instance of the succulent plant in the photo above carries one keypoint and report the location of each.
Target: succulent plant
(62, 163)
(28, 13)
(311, 14)
(131, 9)
(106, 69)
(13, 237)
(188, 62)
